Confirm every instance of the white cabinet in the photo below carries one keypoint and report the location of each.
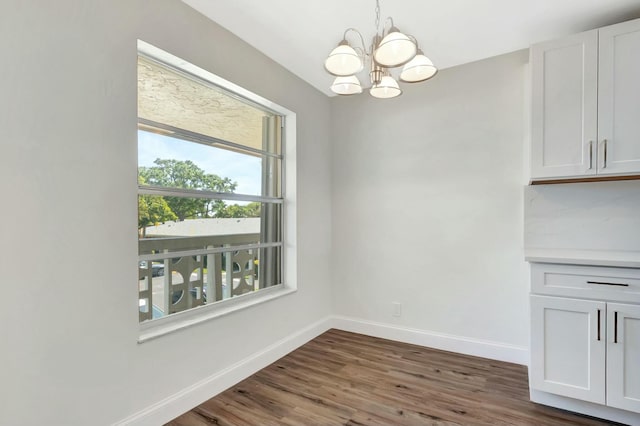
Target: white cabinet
(586, 104)
(568, 348)
(623, 356)
(619, 98)
(565, 106)
(585, 344)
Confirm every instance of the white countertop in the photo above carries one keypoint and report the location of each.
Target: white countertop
(621, 259)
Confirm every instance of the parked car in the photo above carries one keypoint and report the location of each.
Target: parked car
(157, 269)
(175, 296)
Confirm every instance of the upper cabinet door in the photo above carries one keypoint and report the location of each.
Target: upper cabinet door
(619, 99)
(564, 106)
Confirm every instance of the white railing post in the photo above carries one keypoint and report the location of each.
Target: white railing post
(228, 256)
(214, 287)
(166, 302)
(252, 270)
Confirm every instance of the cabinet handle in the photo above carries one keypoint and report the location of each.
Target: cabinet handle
(604, 283)
(615, 327)
(604, 166)
(590, 155)
(598, 325)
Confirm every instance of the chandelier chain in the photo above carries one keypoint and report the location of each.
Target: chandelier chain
(377, 16)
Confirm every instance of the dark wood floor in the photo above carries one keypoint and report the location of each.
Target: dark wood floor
(342, 378)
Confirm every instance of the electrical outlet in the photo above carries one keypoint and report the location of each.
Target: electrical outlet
(397, 309)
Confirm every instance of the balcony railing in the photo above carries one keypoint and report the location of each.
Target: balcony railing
(176, 274)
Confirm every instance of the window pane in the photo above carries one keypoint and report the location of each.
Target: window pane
(177, 284)
(176, 163)
(270, 266)
(206, 223)
(175, 99)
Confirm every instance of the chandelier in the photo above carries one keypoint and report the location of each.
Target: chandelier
(389, 49)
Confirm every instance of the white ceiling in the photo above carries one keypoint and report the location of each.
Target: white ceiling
(300, 34)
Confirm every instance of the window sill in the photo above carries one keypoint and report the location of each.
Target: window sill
(153, 329)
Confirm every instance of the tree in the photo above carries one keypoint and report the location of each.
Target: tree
(152, 210)
(235, 210)
(185, 174)
(253, 209)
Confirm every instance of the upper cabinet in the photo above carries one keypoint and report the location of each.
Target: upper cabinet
(586, 104)
(619, 98)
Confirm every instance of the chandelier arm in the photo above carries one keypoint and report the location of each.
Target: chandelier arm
(364, 48)
(415, 41)
(389, 19)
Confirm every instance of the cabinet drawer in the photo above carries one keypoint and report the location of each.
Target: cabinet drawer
(587, 282)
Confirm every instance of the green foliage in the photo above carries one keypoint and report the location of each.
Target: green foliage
(187, 175)
(235, 210)
(154, 209)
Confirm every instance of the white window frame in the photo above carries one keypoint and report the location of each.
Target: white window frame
(158, 327)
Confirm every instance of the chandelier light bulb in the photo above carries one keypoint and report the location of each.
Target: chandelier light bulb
(346, 85)
(387, 88)
(420, 68)
(343, 60)
(394, 49)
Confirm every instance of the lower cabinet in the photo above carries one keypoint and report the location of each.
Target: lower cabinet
(585, 334)
(623, 356)
(568, 349)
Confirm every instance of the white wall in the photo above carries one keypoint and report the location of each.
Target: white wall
(584, 216)
(427, 207)
(68, 351)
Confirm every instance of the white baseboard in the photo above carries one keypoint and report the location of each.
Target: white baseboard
(184, 400)
(465, 345)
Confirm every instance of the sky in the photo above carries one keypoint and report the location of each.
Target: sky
(243, 169)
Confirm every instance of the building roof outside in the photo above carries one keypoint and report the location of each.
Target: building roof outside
(199, 227)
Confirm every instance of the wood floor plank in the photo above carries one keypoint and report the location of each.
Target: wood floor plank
(342, 378)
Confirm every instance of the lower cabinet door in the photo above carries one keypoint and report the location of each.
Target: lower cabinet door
(568, 345)
(623, 356)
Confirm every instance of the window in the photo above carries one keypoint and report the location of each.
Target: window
(211, 188)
